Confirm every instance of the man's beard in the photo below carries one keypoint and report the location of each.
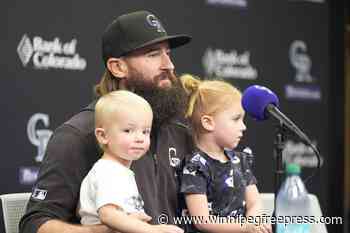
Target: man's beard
(166, 102)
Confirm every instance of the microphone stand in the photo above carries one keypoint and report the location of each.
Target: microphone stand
(278, 155)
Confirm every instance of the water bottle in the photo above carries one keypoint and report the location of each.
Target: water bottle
(292, 201)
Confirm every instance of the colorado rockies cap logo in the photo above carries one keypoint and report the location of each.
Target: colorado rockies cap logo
(154, 22)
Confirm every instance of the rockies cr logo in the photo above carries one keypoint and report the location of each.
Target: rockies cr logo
(154, 22)
(39, 137)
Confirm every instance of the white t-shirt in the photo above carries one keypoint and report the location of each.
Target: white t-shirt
(108, 182)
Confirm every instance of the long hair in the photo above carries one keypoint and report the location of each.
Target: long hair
(107, 84)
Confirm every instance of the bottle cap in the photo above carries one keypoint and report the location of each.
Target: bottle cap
(293, 168)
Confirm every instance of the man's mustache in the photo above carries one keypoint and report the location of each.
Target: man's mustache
(165, 75)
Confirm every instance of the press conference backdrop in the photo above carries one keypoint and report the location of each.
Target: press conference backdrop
(51, 58)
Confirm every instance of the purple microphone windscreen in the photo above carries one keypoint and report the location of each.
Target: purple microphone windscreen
(255, 100)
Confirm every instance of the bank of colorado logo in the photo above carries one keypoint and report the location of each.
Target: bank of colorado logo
(50, 54)
(299, 153)
(228, 64)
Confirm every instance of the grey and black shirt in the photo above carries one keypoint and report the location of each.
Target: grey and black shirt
(224, 183)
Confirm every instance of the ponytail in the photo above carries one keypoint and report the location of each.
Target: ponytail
(191, 86)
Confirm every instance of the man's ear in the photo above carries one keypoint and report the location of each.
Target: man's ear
(101, 136)
(208, 122)
(117, 67)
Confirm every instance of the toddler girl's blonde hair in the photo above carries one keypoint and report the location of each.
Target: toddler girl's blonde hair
(207, 97)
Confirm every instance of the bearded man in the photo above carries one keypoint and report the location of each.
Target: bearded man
(136, 52)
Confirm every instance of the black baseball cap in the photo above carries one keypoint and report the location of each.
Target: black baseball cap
(136, 30)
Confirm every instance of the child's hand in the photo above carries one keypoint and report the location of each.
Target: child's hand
(167, 229)
(251, 228)
(141, 216)
(265, 228)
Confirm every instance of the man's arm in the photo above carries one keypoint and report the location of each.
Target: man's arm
(52, 226)
(69, 156)
(60, 226)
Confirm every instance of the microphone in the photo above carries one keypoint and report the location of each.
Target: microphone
(261, 103)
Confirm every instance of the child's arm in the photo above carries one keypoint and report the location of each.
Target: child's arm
(253, 201)
(197, 205)
(119, 221)
(254, 205)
